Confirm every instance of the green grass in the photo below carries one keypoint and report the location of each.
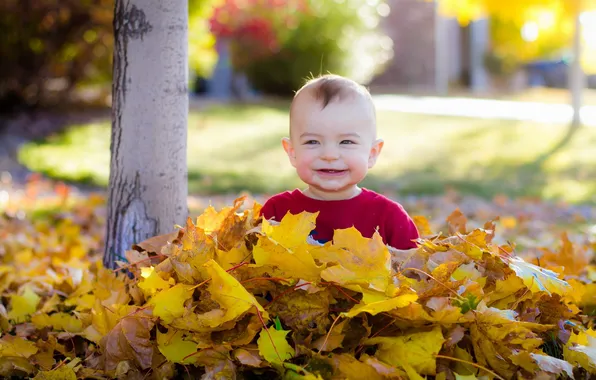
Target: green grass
(237, 148)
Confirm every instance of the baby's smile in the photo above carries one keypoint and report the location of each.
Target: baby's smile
(331, 172)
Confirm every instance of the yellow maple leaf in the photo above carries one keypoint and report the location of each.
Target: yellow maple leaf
(58, 321)
(297, 263)
(352, 368)
(414, 351)
(169, 304)
(152, 281)
(22, 306)
(463, 368)
(361, 262)
(200, 323)
(211, 220)
(538, 279)
(16, 346)
(60, 373)
(83, 297)
(197, 249)
(375, 308)
(292, 231)
(273, 345)
(233, 298)
(472, 244)
(469, 271)
(443, 311)
(175, 348)
(226, 228)
(228, 259)
(104, 320)
(110, 289)
(505, 292)
(497, 336)
(423, 225)
(581, 350)
(570, 259)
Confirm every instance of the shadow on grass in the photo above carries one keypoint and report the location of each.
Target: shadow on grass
(498, 177)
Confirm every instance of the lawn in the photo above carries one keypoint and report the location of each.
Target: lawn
(237, 148)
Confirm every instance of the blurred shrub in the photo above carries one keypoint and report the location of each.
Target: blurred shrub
(501, 64)
(49, 48)
(202, 55)
(279, 43)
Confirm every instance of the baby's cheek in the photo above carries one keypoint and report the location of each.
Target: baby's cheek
(304, 172)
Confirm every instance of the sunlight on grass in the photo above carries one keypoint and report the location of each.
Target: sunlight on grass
(237, 148)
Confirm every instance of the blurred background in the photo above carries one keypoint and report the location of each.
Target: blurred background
(473, 103)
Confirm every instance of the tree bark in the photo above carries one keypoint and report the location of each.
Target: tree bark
(148, 185)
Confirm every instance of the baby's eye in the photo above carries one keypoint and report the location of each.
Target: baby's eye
(311, 142)
(347, 142)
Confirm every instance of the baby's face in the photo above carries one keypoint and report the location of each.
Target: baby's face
(332, 148)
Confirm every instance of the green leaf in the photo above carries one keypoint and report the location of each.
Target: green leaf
(273, 345)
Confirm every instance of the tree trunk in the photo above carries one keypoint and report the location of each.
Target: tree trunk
(576, 74)
(148, 173)
(441, 53)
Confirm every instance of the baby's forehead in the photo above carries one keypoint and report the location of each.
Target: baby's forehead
(308, 103)
(352, 115)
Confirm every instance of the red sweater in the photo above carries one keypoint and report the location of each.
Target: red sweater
(366, 212)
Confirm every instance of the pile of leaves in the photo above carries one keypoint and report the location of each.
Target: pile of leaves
(232, 296)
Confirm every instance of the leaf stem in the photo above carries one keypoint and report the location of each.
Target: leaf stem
(268, 333)
(329, 333)
(292, 289)
(227, 270)
(137, 262)
(470, 363)
(342, 291)
(438, 282)
(264, 279)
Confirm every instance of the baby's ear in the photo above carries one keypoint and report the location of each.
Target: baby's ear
(374, 152)
(289, 148)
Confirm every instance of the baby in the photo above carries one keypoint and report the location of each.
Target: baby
(332, 144)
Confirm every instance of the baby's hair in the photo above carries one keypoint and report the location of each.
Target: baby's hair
(330, 87)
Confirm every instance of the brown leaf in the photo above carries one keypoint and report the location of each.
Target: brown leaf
(304, 312)
(130, 339)
(457, 222)
(455, 335)
(249, 356)
(156, 243)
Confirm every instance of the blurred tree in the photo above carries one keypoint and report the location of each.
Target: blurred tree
(545, 33)
(201, 42)
(279, 43)
(566, 20)
(148, 183)
(48, 47)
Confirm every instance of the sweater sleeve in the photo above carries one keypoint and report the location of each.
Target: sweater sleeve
(400, 229)
(268, 209)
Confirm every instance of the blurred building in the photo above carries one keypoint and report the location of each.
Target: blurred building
(431, 51)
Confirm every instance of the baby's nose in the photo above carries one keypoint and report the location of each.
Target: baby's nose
(330, 153)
